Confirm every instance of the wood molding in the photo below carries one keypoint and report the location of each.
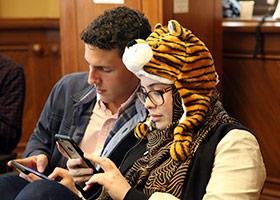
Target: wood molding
(239, 25)
(13, 48)
(251, 56)
(28, 23)
(271, 189)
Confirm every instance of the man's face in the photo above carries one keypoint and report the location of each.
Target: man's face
(114, 83)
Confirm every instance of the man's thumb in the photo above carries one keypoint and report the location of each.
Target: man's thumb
(42, 162)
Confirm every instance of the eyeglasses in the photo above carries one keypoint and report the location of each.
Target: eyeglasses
(155, 96)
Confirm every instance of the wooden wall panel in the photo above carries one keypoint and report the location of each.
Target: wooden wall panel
(251, 90)
(81, 13)
(35, 44)
(69, 36)
(205, 21)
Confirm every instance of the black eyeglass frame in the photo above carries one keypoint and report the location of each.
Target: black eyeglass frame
(143, 95)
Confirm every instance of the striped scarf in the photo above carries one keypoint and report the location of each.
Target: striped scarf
(157, 171)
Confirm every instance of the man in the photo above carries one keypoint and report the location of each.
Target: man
(98, 109)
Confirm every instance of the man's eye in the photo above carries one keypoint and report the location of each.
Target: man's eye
(106, 69)
(103, 69)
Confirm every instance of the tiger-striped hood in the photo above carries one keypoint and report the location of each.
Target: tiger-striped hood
(174, 55)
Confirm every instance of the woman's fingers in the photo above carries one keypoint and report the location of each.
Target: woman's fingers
(58, 172)
(99, 178)
(64, 178)
(112, 179)
(105, 163)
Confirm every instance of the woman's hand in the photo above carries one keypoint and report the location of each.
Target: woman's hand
(64, 178)
(112, 179)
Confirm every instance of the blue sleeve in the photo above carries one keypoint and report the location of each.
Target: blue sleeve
(42, 138)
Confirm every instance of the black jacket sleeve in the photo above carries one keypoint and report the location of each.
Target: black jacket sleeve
(134, 194)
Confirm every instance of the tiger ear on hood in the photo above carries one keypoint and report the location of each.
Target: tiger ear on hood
(174, 28)
(158, 26)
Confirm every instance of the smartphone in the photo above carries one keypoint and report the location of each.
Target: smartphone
(73, 151)
(26, 170)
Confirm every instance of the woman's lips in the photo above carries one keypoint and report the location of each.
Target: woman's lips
(156, 118)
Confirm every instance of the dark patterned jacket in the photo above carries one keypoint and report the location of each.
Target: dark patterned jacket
(12, 91)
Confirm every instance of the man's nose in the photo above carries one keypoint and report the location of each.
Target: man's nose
(94, 77)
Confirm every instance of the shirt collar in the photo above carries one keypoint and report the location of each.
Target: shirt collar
(101, 105)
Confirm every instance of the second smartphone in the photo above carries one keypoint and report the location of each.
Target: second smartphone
(73, 151)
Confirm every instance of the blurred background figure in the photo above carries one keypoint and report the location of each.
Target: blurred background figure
(231, 9)
(12, 91)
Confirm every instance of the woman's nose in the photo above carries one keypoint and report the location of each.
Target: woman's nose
(149, 104)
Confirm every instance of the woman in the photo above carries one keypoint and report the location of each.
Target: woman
(189, 148)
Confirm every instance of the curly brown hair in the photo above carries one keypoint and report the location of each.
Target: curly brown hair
(115, 28)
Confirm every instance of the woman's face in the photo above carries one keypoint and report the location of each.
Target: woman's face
(160, 114)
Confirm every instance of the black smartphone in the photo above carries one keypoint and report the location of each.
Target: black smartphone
(72, 149)
(27, 170)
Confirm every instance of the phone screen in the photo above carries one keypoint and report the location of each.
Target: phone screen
(27, 170)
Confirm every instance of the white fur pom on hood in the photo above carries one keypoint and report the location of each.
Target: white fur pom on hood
(136, 55)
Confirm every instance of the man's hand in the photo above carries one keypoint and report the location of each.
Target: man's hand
(64, 178)
(38, 162)
(79, 172)
(77, 168)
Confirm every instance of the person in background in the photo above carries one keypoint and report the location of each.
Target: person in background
(12, 91)
(98, 109)
(189, 147)
(231, 9)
